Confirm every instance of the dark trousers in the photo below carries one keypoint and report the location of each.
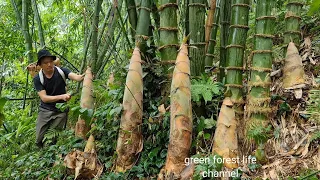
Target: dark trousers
(49, 119)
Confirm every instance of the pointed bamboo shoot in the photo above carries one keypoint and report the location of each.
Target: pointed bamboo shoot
(181, 116)
(86, 102)
(225, 137)
(130, 138)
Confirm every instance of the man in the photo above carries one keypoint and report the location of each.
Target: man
(51, 87)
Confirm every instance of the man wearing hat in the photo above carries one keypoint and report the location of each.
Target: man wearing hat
(51, 87)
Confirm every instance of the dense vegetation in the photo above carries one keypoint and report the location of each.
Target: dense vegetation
(237, 69)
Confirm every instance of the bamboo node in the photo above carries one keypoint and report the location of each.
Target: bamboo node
(293, 32)
(259, 84)
(234, 85)
(258, 101)
(142, 36)
(162, 7)
(241, 5)
(261, 51)
(295, 3)
(235, 45)
(168, 46)
(234, 68)
(265, 35)
(266, 17)
(210, 55)
(261, 69)
(239, 26)
(258, 110)
(224, 22)
(197, 44)
(213, 40)
(168, 29)
(292, 15)
(145, 8)
(197, 4)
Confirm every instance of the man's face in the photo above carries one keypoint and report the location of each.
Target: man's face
(47, 64)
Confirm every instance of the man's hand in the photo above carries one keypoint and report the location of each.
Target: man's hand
(49, 99)
(65, 97)
(76, 77)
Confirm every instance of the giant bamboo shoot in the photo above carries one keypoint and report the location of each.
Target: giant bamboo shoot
(130, 138)
(181, 117)
(86, 102)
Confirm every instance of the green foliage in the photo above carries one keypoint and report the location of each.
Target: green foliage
(205, 88)
(260, 134)
(314, 7)
(210, 164)
(313, 106)
(315, 136)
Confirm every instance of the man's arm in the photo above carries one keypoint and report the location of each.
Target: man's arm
(49, 99)
(75, 77)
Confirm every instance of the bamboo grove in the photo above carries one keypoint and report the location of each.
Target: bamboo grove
(155, 28)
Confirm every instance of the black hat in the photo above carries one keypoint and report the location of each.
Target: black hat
(44, 53)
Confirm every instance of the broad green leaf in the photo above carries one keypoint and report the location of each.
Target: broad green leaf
(314, 7)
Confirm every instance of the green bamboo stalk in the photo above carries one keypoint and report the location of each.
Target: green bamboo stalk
(123, 28)
(235, 52)
(292, 23)
(138, 5)
(131, 8)
(155, 14)
(186, 23)
(225, 15)
(209, 22)
(168, 44)
(143, 25)
(197, 10)
(94, 43)
(38, 19)
(213, 36)
(109, 34)
(258, 106)
(103, 27)
(25, 31)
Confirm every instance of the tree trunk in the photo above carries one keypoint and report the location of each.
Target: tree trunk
(225, 14)
(197, 11)
(180, 117)
(130, 139)
(94, 43)
(213, 36)
(235, 53)
(258, 105)
(38, 19)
